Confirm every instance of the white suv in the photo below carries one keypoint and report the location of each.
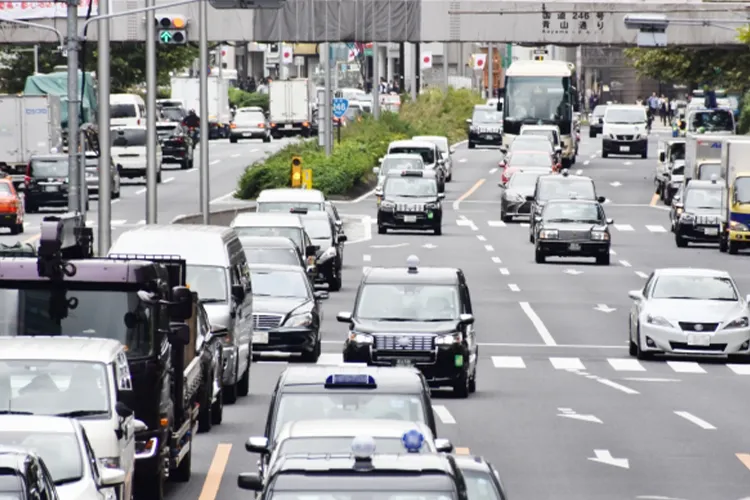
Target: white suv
(624, 131)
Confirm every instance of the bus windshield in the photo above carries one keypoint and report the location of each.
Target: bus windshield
(530, 99)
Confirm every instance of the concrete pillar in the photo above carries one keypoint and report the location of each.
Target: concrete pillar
(390, 68)
(382, 61)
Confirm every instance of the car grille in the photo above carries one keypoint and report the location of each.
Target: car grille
(693, 327)
(409, 207)
(266, 321)
(399, 342)
(682, 346)
(575, 235)
(625, 137)
(707, 220)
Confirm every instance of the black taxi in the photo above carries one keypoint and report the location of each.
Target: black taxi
(410, 200)
(696, 213)
(418, 317)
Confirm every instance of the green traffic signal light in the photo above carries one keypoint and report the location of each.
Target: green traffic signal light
(173, 37)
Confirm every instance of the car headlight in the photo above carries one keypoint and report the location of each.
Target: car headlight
(549, 234)
(658, 321)
(450, 339)
(110, 462)
(387, 206)
(611, 136)
(600, 235)
(361, 338)
(432, 206)
(742, 322)
(686, 217)
(299, 320)
(737, 226)
(329, 253)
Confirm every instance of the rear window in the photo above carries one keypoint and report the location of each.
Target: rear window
(128, 137)
(49, 168)
(122, 111)
(557, 188)
(5, 189)
(250, 116)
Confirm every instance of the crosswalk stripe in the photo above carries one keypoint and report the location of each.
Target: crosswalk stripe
(686, 367)
(739, 369)
(331, 358)
(624, 227)
(508, 362)
(626, 365)
(567, 364)
(496, 223)
(656, 229)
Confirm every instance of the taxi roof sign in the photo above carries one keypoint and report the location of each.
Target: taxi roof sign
(349, 380)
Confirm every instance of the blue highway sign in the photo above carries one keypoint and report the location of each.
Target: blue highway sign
(340, 105)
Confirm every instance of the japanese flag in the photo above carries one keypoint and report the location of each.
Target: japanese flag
(480, 60)
(287, 55)
(353, 53)
(426, 60)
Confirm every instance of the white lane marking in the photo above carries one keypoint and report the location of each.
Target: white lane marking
(579, 172)
(462, 160)
(567, 364)
(141, 222)
(496, 223)
(167, 180)
(481, 238)
(365, 269)
(504, 271)
(119, 222)
(443, 414)
(599, 152)
(641, 274)
(570, 413)
(740, 369)
(626, 365)
(628, 163)
(463, 221)
(697, 421)
(625, 263)
(331, 359)
(685, 367)
(254, 150)
(236, 155)
(524, 224)
(615, 184)
(513, 287)
(624, 227)
(497, 260)
(141, 191)
(212, 163)
(493, 170)
(615, 385)
(395, 245)
(489, 248)
(651, 379)
(561, 346)
(586, 162)
(366, 258)
(538, 323)
(508, 362)
(656, 229)
(593, 156)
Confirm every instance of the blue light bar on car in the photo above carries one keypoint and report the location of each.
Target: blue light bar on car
(342, 380)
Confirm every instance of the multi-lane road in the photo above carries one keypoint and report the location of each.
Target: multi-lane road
(561, 409)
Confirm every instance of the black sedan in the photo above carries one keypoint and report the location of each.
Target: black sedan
(176, 144)
(286, 312)
(595, 121)
(514, 202)
(324, 234)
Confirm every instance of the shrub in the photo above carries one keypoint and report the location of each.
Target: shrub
(743, 127)
(241, 99)
(362, 143)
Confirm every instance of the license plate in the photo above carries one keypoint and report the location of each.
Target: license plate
(51, 189)
(711, 231)
(260, 338)
(624, 149)
(574, 247)
(289, 125)
(488, 137)
(410, 218)
(699, 339)
(404, 362)
(248, 134)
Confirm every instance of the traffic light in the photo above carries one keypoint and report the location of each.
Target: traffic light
(172, 29)
(296, 171)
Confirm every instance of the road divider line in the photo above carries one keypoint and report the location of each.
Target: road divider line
(641, 274)
(167, 180)
(462, 451)
(212, 163)
(493, 170)
(216, 472)
(573, 364)
(513, 287)
(481, 238)
(366, 258)
(489, 248)
(695, 420)
(615, 385)
(538, 324)
(545, 346)
(625, 263)
(744, 458)
(496, 260)
(141, 191)
(236, 155)
(472, 190)
(508, 362)
(504, 271)
(443, 414)
(654, 200)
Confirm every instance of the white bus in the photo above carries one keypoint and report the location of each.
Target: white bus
(541, 93)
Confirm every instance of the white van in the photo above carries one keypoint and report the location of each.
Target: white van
(127, 110)
(625, 130)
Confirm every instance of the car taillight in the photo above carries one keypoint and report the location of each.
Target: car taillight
(232, 125)
(273, 125)
(305, 124)
(179, 140)
(261, 125)
(138, 122)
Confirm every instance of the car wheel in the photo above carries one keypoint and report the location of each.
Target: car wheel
(158, 176)
(605, 154)
(602, 260)
(217, 410)
(733, 248)
(233, 140)
(438, 230)
(639, 353)
(243, 386)
(334, 281)
(632, 347)
(540, 257)
(313, 355)
(723, 244)
(461, 386)
(382, 230)
(472, 145)
(680, 241)
(592, 134)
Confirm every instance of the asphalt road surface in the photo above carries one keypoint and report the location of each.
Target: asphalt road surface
(561, 409)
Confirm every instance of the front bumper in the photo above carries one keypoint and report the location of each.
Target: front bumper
(401, 220)
(672, 340)
(287, 339)
(486, 139)
(562, 248)
(248, 134)
(42, 199)
(515, 208)
(8, 219)
(133, 171)
(698, 234)
(741, 238)
(625, 147)
(174, 155)
(325, 269)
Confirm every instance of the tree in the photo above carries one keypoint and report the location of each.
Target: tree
(127, 63)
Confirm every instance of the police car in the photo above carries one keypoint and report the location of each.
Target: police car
(334, 437)
(410, 201)
(377, 477)
(415, 317)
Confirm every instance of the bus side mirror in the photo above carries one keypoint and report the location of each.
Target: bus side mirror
(181, 307)
(662, 156)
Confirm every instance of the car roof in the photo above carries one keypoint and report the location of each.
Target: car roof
(530, 152)
(315, 214)
(50, 156)
(13, 458)
(426, 174)
(485, 107)
(437, 139)
(375, 428)
(567, 201)
(276, 267)
(403, 156)
(627, 106)
(39, 423)
(289, 194)
(564, 177)
(691, 271)
(59, 348)
(311, 379)
(253, 219)
(267, 242)
(411, 143)
(540, 127)
(705, 184)
(531, 137)
(401, 275)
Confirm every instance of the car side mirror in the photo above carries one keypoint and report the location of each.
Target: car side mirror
(466, 319)
(443, 446)
(257, 445)
(451, 150)
(311, 250)
(558, 149)
(123, 410)
(139, 426)
(468, 121)
(21, 187)
(238, 292)
(610, 221)
(529, 198)
(321, 295)
(601, 121)
(747, 298)
(248, 481)
(662, 157)
(635, 294)
(441, 196)
(503, 149)
(343, 238)
(179, 334)
(109, 478)
(376, 170)
(344, 317)
(601, 199)
(380, 160)
(338, 223)
(678, 204)
(181, 307)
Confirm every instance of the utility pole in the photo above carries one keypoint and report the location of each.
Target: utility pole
(203, 47)
(446, 46)
(375, 79)
(104, 240)
(325, 108)
(75, 203)
(490, 71)
(151, 165)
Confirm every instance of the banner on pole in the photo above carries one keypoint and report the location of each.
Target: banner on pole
(22, 11)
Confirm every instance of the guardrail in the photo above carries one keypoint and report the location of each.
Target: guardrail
(221, 217)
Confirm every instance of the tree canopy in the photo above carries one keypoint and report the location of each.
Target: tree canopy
(127, 63)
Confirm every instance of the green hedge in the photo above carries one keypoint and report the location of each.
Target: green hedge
(362, 143)
(743, 127)
(241, 99)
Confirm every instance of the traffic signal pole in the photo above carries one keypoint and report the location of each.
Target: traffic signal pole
(75, 204)
(151, 160)
(104, 238)
(203, 48)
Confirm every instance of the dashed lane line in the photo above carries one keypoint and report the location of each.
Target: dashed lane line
(695, 420)
(513, 287)
(443, 414)
(472, 189)
(496, 260)
(538, 324)
(641, 274)
(625, 263)
(504, 271)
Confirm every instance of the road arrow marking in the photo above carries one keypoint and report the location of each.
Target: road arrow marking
(569, 413)
(429, 246)
(574, 272)
(604, 308)
(605, 457)
(615, 184)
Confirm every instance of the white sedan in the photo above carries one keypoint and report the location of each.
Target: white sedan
(689, 312)
(65, 450)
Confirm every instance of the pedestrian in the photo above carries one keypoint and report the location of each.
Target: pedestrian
(672, 109)
(663, 104)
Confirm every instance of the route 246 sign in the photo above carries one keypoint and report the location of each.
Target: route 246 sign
(340, 105)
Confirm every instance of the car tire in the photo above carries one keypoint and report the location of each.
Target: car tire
(733, 248)
(267, 138)
(217, 410)
(605, 154)
(449, 178)
(680, 241)
(602, 260)
(233, 140)
(243, 386)
(506, 218)
(640, 354)
(472, 145)
(205, 417)
(539, 257)
(592, 134)
(183, 471)
(185, 164)
(461, 386)
(313, 355)
(230, 391)
(158, 176)
(382, 230)
(531, 237)
(723, 245)
(334, 281)
(116, 193)
(632, 347)
(644, 154)
(438, 230)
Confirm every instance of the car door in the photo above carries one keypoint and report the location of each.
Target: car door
(635, 309)
(469, 332)
(333, 213)
(126, 443)
(242, 322)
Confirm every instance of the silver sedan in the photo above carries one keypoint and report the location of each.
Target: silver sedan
(689, 312)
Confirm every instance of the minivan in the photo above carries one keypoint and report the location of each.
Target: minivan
(217, 270)
(127, 110)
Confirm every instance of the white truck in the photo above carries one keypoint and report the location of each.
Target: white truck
(703, 156)
(187, 90)
(291, 104)
(735, 201)
(29, 125)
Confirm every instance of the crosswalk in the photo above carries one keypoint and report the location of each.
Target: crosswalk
(629, 365)
(622, 228)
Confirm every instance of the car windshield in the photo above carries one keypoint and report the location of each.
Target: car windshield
(547, 134)
(286, 207)
(599, 111)
(264, 255)
(49, 168)
(42, 387)
(487, 116)
(5, 190)
(707, 170)
(625, 116)
(572, 212)
(480, 486)
(396, 164)
(561, 187)
(694, 288)
(340, 445)
(534, 98)
(523, 180)
(59, 451)
(677, 151)
(410, 187)
(705, 199)
(440, 142)
(679, 169)
(427, 154)
(405, 302)
(247, 116)
(122, 111)
(291, 284)
(714, 120)
(11, 485)
(293, 233)
(210, 282)
(742, 190)
(317, 229)
(530, 160)
(47, 311)
(531, 143)
(337, 404)
(125, 137)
